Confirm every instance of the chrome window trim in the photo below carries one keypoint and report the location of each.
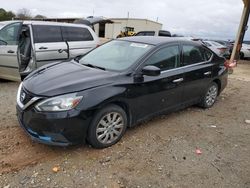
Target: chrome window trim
(187, 66)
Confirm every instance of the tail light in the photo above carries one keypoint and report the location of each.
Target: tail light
(222, 50)
(230, 64)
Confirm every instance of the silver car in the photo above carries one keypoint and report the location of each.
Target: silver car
(27, 45)
(218, 48)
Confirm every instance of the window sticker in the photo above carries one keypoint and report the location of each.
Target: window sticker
(137, 45)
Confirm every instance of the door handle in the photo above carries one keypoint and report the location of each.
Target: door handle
(178, 80)
(61, 50)
(43, 48)
(10, 52)
(207, 73)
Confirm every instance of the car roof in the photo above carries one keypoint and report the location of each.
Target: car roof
(33, 22)
(7, 22)
(52, 23)
(156, 40)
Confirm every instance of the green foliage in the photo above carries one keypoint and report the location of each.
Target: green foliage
(4, 15)
(39, 16)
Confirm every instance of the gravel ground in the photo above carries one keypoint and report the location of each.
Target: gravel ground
(159, 153)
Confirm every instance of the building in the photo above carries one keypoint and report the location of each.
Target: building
(113, 29)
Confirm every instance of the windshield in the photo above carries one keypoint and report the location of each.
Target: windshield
(116, 55)
(1, 25)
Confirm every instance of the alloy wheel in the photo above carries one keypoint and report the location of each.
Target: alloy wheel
(109, 128)
(211, 95)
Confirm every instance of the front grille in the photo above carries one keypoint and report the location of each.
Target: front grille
(25, 96)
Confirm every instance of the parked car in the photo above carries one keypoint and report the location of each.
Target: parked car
(218, 48)
(27, 45)
(246, 42)
(228, 44)
(116, 86)
(245, 51)
(162, 33)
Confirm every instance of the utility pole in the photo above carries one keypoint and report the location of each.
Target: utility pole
(241, 32)
(127, 19)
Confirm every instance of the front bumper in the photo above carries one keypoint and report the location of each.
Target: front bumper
(54, 128)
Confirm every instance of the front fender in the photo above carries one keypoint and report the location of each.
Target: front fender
(98, 97)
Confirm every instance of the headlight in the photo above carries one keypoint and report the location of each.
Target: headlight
(60, 103)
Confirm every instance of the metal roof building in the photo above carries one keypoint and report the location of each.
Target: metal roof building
(113, 29)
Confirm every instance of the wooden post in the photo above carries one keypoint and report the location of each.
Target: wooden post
(241, 32)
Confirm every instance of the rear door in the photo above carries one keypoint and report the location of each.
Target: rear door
(80, 40)
(9, 36)
(49, 44)
(197, 67)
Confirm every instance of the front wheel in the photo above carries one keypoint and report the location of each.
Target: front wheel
(107, 127)
(210, 97)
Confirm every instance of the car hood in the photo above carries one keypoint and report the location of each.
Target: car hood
(65, 77)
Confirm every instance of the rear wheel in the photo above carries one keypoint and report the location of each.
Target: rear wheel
(210, 97)
(107, 127)
(242, 55)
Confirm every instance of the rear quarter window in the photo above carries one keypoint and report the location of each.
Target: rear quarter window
(76, 34)
(47, 33)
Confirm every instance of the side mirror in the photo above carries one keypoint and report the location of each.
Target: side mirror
(151, 70)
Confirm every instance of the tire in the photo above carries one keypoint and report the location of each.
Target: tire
(210, 97)
(107, 127)
(119, 36)
(22, 77)
(242, 56)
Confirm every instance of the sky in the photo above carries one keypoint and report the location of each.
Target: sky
(215, 19)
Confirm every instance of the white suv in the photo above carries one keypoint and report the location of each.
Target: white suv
(27, 45)
(245, 51)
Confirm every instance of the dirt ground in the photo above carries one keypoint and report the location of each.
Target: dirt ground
(159, 153)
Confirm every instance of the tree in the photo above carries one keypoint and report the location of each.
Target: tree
(23, 14)
(6, 15)
(40, 16)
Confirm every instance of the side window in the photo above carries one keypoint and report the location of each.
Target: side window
(206, 53)
(146, 33)
(47, 33)
(9, 34)
(76, 34)
(166, 58)
(192, 54)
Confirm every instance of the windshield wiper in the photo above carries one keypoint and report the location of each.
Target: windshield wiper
(94, 66)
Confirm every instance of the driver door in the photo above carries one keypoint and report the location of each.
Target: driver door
(156, 94)
(9, 36)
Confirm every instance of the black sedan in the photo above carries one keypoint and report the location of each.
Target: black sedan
(97, 97)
